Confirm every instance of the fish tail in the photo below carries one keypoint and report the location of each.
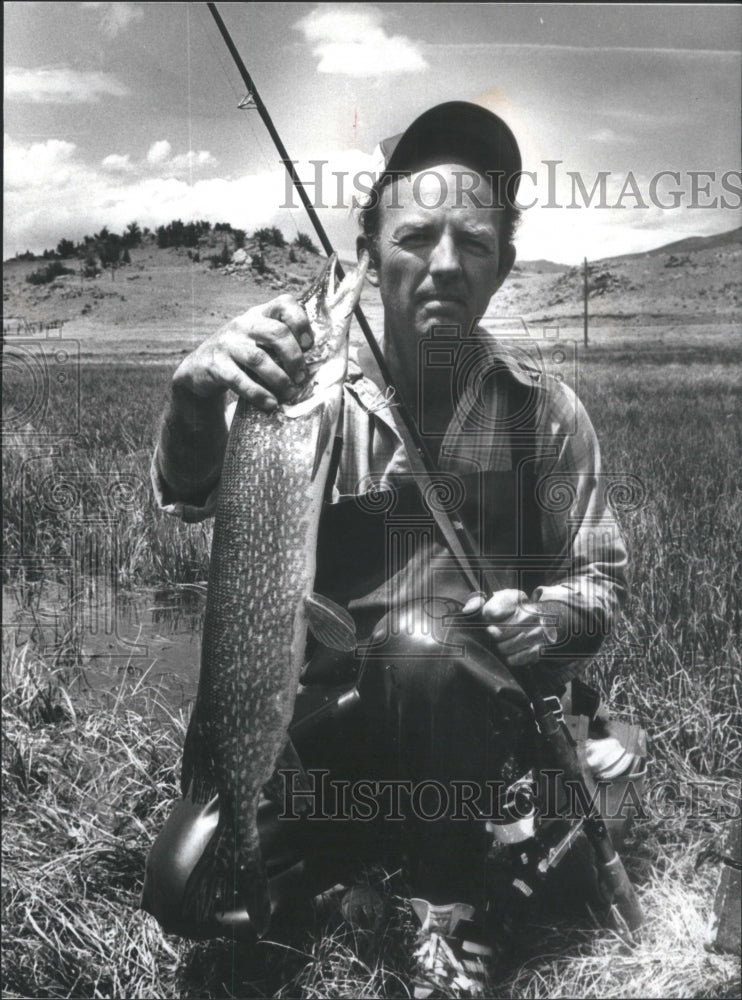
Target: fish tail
(251, 884)
(221, 881)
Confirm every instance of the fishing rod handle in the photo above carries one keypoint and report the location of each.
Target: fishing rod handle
(623, 911)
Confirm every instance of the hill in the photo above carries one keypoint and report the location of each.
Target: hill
(730, 238)
(168, 299)
(690, 281)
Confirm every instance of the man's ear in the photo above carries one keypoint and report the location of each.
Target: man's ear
(363, 243)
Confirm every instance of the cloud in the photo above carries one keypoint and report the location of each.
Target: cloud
(40, 164)
(115, 17)
(192, 160)
(606, 135)
(353, 42)
(160, 155)
(117, 164)
(51, 193)
(159, 152)
(60, 85)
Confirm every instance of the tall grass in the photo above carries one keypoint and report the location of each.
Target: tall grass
(98, 479)
(672, 421)
(87, 783)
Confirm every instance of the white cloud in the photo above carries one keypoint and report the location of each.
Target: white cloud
(41, 164)
(117, 164)
(115, 17)
(51, 193)
(159, 152)
(160, 155)
(60, 85)
(192, 160)
(606, 135)
(615, 223)
(350, 40)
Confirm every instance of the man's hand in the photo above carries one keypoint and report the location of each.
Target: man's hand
(518, 631)
(259, 355)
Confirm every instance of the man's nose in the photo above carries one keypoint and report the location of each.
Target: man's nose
(444, 257)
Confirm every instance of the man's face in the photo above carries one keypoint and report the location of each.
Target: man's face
(438, 253)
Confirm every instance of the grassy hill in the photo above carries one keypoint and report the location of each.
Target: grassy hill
(168, 299)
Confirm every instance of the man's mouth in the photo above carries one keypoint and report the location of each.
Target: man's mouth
(440, 300)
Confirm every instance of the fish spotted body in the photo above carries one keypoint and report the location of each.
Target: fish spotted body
(259, 605)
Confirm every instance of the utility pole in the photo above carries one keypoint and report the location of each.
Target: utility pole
(585, 298)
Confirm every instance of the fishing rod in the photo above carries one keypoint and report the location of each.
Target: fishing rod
(620, 907)
(457, 537)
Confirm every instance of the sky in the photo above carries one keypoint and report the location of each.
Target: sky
(121, 112)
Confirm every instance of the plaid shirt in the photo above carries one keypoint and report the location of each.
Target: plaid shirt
(585, 557)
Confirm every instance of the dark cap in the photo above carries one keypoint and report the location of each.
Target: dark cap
(455, 132)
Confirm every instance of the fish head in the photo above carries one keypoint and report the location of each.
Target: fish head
(329, 305)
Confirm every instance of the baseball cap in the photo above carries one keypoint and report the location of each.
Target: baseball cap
(455, 132)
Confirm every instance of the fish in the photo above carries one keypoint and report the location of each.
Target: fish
(260, 604)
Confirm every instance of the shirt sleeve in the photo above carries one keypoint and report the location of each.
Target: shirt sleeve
(577, 523)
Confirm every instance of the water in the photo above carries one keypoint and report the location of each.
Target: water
(144, 645)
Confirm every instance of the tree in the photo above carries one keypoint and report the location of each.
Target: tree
(269, 236)
(109, 247)
(132, 235)
(304, 242)
(66, 248)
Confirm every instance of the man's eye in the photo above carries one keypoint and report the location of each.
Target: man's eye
(417, 239)
(475, 245)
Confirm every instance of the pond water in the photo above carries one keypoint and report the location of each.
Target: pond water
(144, 645)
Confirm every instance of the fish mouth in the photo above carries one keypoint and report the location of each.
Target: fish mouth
(324, 285)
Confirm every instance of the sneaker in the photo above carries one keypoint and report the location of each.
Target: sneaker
(451, 953)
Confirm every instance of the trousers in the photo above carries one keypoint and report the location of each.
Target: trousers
(410, 741)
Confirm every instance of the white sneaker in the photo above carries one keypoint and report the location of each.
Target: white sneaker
(451, 951)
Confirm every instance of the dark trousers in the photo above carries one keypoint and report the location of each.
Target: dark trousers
(397, 761)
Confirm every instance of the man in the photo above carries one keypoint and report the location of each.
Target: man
(439, 231)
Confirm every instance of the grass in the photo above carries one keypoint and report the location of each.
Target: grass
(88, 781)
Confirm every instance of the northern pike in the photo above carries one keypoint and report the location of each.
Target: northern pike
(260, 603)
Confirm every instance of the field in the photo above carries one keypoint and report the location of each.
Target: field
(90, 771)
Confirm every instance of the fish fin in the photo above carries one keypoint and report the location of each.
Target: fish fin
(194, 777)
(331, 624)
(277, 788)
(207, 888)
(326, 427)
(220, 882)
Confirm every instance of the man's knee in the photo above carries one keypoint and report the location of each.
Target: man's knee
(413, 630)
(409, 652)
(413, 648)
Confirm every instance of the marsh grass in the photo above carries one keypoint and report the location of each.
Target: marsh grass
(88, 782)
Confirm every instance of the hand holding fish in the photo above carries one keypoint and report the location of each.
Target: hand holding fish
(259, 355)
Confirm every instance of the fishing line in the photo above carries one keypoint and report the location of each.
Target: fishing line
(257, 143)
(214, 49)
(286, 214)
